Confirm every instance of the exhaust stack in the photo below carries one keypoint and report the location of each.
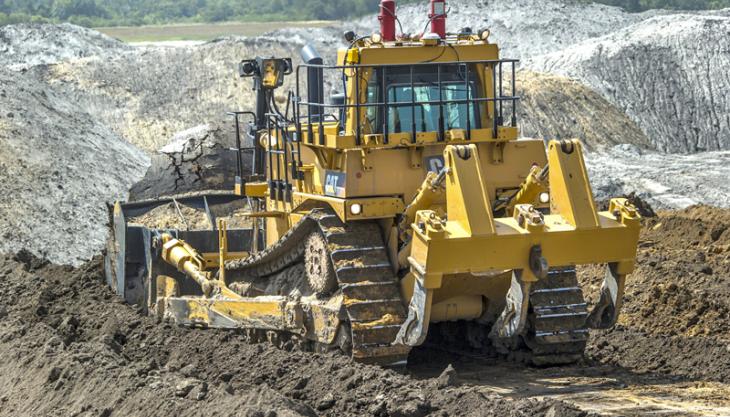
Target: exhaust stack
(315, 81)
(438, 17)
(387, 19)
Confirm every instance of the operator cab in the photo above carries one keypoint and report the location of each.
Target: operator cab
(422, 111)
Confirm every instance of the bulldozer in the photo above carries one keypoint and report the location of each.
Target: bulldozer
(403, 210)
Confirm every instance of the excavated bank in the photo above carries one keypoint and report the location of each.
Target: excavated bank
(554, 107)
(72, 348)
(58, 168)
(664, 73)
(677, 302)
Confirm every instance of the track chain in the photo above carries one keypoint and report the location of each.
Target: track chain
(371, 295)
(557, 332)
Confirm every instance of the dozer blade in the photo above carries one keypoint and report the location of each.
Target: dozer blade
(131, 261)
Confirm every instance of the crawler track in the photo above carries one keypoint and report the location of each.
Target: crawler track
(555, 334)
(371, 297)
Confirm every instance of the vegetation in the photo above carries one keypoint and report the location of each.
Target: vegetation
(641, 5)
(150, 12)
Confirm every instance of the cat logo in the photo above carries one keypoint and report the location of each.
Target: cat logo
(434, 163)
(334, 184)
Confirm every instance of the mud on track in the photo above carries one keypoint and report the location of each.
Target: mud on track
(70, 347)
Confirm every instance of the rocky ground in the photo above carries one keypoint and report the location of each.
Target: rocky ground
(70, 347)
(664, 180)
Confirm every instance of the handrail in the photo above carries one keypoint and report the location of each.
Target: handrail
(237, 123)
(494, 66)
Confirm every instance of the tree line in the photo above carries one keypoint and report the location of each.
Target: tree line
(149, 12)
(94, 13)
(643, 5)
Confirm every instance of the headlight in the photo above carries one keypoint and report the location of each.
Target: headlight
(544, 198)
(356, 209)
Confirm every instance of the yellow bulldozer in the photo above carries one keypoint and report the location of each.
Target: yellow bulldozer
(402, 210)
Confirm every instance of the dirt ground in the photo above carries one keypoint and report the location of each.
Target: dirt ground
(70, 347)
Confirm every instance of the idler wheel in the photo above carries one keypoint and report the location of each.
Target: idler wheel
(320, 272)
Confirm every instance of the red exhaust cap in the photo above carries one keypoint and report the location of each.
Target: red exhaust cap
(387, 19)
(438, 17)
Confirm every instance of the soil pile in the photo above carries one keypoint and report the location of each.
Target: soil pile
(58, 168)
(26, 45)
(554, 107)
(71, 348)
(665, 73)
(677, 301)
(181, 217)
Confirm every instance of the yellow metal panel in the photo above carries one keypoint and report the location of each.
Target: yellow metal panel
(570, 191)
(467, 202)
(250, 309)
(562, 245)
(197, 312)
(211, 258)
(334, 140)
(372, 208)
(167, 287)
(463, 307)
(256, 189)
(391, 54)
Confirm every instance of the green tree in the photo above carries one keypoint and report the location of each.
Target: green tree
(64, 9)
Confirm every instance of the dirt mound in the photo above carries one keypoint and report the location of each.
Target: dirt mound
(26, 45)
(76, 350)
(678, 297)
(697, 358)
(182, 217)
(664, 72)
(553, 107)
(58, 168)
(201, 158)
